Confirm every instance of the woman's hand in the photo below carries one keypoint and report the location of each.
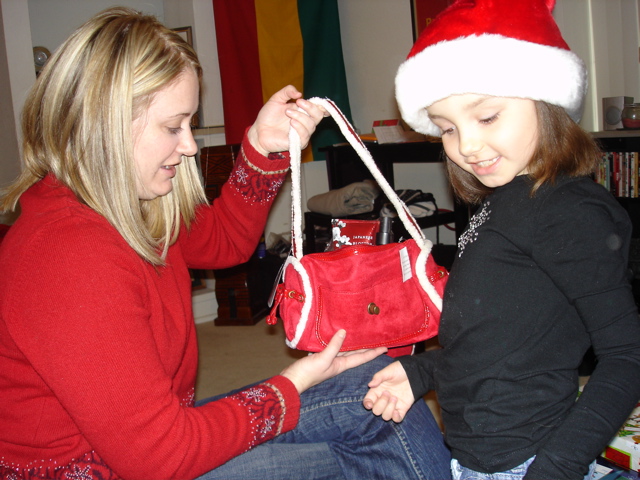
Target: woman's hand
(316, 368)
(270, 132)
(390, 395)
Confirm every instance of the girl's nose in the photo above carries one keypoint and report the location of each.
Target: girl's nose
(470, 144)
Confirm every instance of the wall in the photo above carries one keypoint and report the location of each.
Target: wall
(605, 34)
(15, 78)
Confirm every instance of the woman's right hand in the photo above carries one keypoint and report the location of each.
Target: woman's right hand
(318, 367)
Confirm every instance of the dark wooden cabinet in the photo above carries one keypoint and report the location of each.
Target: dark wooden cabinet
(242, 292)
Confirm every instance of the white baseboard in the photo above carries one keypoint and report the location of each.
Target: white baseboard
(205, 304)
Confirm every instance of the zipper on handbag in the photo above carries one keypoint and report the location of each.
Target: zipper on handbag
(281, 294)
(438, 275)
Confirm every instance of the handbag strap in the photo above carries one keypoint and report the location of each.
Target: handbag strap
(356, 142)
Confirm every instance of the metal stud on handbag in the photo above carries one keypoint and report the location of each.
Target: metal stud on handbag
(384, 295)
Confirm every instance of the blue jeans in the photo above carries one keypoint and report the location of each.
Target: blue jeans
(337, 438)
(517, 473)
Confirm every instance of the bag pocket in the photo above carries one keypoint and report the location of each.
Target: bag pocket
(374, 315)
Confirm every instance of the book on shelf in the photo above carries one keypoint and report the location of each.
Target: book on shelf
(619, 173)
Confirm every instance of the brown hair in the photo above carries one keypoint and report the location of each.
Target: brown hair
(564, 148)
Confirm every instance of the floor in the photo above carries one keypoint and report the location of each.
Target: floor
(232, 357)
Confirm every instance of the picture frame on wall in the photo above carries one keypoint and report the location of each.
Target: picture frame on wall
(186, 33)
(424, 11)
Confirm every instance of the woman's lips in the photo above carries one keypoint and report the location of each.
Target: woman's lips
(171, 169)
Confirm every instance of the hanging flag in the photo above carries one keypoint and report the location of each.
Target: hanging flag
(264, 45)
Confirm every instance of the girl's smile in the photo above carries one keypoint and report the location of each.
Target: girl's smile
(485, 167)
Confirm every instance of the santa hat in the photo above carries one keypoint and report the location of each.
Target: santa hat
(505, 48)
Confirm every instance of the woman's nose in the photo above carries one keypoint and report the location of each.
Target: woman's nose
(188, 145)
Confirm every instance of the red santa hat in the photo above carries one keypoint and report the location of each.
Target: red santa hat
(505, 48)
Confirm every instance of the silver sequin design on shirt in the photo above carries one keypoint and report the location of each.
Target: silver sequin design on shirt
(471, 233)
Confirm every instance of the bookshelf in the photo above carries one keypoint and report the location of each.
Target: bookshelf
(619, 167)
(623, 147)
(620, 173)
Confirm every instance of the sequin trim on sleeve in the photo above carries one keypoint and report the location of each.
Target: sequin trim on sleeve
(253, 183)
(88, 467)
(267, 410)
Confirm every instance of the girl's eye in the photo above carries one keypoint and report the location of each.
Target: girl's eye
(446, 131)
(175, 131)
(491, 119)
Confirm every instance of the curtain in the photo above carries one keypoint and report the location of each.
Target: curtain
(264, 45)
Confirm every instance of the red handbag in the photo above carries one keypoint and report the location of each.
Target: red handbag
(383, 295)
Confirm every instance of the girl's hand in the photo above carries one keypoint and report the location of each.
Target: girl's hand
(316, 368)
(390, 394)
(270, 132)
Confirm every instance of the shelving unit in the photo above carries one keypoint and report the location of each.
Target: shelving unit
(619, 169)
(344, 167)
(623, 142)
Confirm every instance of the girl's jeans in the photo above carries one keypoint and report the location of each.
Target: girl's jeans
(337, 438)
(517, 473)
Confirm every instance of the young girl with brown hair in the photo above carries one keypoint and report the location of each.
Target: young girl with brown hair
(541, 271)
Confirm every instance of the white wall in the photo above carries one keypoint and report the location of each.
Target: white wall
(17, 73)
(52, 21)
(376, 38)
(605, 34)
(198, 14)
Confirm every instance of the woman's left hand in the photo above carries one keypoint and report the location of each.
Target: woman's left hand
(314, 369)
(270, 132)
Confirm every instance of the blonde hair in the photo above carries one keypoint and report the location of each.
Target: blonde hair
(563, 148)
(77, 124)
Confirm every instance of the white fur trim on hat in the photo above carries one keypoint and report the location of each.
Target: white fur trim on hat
(488, 65)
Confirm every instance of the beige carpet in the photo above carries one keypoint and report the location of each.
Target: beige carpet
(232, 357)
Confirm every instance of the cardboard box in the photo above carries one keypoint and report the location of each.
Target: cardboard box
(624, 449)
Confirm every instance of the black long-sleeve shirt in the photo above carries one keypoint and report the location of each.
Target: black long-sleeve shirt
(536, 281)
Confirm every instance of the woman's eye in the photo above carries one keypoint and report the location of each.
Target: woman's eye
(175, 131)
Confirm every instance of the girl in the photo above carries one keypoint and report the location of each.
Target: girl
(540, 273)
(98, 353)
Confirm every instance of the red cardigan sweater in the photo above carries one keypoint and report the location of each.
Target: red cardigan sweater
(98, 352)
